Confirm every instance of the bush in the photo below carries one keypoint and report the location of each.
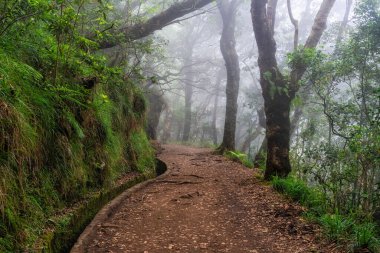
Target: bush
(239, 157)
(298, 191)
(69, 125)
(337, 227)
(365, 237)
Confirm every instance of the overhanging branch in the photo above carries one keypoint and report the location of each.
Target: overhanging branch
(156, 22)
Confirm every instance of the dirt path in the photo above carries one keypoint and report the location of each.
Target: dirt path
(204, 203)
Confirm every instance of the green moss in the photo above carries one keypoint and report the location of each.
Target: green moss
(144, 152)
(55, 157)
(60, 138)
(71, 225)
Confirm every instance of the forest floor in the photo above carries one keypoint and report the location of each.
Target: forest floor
(203, 203)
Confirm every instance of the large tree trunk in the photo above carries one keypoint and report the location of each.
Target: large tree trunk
(276, 92)
(227, 46)
(276, 100)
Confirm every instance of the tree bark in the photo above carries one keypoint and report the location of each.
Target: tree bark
(155, 23)
(227, 46)
(276, 91)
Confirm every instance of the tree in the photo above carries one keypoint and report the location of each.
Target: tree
(188, 90)
(228, 10)
(298, 111)
(157, 22)
(279, 91)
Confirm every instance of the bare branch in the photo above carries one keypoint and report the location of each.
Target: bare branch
(271, 13)
(344, 23)
(295, 24)
(319, 25)
(157, 22)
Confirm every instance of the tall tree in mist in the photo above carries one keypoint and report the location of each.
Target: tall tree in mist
(227, 9)
(278, 91)
(215, 109)
(305, 94)
(188, 69)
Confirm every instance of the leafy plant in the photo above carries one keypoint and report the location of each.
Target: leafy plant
(239, 157)
(300, 192)
(337, 228)
(366, 236)
(68, 124)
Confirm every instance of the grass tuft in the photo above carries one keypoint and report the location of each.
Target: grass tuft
(339, 228)
(239, 157)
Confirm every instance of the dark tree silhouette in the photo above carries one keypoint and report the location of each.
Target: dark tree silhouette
(277, 91)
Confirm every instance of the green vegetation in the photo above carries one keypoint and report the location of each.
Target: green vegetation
(347, 229)
(239, 157)
(298, 191)
(335, 154)
(72, 114)
(70, 124)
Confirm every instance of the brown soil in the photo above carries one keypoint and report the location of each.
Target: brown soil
(204, 203)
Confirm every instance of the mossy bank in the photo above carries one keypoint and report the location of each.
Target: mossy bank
(70, 125)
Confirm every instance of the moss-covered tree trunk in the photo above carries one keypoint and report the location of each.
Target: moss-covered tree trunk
(277, 91)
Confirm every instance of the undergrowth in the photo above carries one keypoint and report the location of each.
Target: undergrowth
(239, 157)
(69, 124)
(344, 228)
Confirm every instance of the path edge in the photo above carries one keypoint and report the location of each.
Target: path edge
(106, 211)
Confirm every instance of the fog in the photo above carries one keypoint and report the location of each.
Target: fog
(188, 56)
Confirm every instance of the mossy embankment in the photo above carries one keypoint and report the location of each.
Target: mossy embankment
(70, 126)
(52, 158)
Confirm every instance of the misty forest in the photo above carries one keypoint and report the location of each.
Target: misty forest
(206, 125)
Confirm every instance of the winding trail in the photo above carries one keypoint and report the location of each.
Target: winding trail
(203, 203)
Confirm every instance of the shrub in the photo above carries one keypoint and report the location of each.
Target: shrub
(298, 191)
(239, 157)
(336, 227)
(365, 237)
